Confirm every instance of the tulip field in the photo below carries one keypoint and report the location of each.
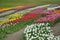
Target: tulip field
(37, 21)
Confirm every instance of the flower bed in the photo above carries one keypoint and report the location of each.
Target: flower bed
(39, 31)
(48, 12)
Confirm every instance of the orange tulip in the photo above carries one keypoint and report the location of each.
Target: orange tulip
(4, 9)
(57, 11)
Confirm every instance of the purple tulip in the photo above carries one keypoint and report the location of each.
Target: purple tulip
(37, 10)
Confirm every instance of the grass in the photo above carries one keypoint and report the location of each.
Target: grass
(13, 3)
(18, 26)
(2, 33)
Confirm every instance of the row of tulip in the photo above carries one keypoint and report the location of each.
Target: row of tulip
(38, 10)
(17, 7)
(4, 9)
(49, 18)
(30, 15)
(51, 12)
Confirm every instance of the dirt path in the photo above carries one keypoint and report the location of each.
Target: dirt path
(56, 29)
(15, 36)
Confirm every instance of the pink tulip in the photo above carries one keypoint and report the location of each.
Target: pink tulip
(48, 12)
(49, 18)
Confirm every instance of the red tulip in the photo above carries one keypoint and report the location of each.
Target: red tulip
(30, 16)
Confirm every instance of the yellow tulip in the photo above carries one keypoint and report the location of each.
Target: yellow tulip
(12, 19)
(4, 21)
(14, 16)
(4, 9)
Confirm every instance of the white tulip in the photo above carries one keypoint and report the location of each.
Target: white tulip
(39, 30)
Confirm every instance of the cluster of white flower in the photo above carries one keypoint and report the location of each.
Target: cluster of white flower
(39, 31)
